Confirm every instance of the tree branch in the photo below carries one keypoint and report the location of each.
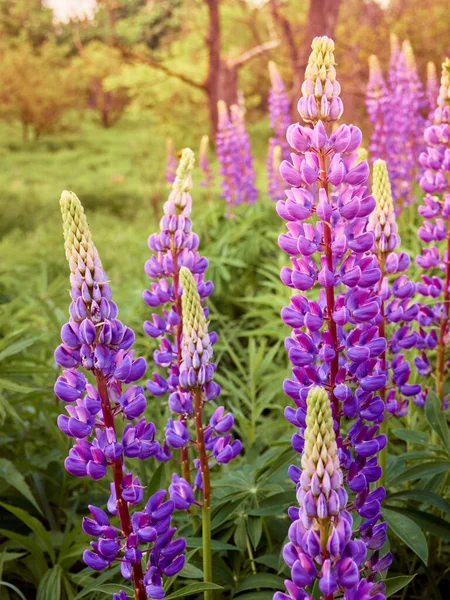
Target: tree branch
(132, 56)
(256, 51)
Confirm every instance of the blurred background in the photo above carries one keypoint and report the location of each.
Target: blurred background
(89, 93)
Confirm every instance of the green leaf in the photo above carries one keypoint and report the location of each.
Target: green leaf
(29, 544)
(409, 532)
(256, 596)
(193, 588)
(394, 584)
(408, 435)
(436, 419)
(112, 588)
(92, 585)
(224, 513)
(191, 572)
(260, 580)
(254, 527)
(197, 542)
(50, 584)
(427, 521)
(14, 478)
(422, 496)
(35, 526)
(420, 471)
(13, 587)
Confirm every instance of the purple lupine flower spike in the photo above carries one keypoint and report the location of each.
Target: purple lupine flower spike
(432, 90)
(406, 125)
(396, 307)
(95, 340)
(335, 342)
(205, 167)
(176, 245)
(171, 161)
(280, 119)
(247, 175)
(434, 317)
(227, 145)
(378, 109)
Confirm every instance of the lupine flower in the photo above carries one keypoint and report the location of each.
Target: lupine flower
(320, 538)
(280, 119)
(185, 349)
(171, 161)
(335, 342)
(395, 296)
(432, 90)
(175, 246)
(227, 145)
(249, 192)
(95, 340)
(196, 375)
(435, 181)
(235, 158)
(406, 124)
(205, 166)
(378, 109)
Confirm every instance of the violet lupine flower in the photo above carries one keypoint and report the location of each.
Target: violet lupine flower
(205, 167)
(249, 192)
(406, 126)
(335, 342)
(95, 340)
(171, 161)
(280, 119)
(196, 375)
(175, 246)
(378, 109)
(435, 232)
(227, 144)
(395, 294)
(235, 158)
(320, 543)
(432, 90)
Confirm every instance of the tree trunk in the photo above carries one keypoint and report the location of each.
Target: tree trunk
(322, 20)
(214, 63)
(228, 82)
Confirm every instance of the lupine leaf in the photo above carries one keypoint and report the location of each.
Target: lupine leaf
(14, 478)
(436, 419)
(420, 471)
(394, 584)
(13, 587)
(35, 526)
(408, 435)
(423, 496)
(193, 588)
(197, 542)
(260, 580)
(409, 532)
(50, 584)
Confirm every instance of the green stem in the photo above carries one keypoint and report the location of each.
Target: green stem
(206, 504)
(206, 540)
(250, 555)
(383, 454)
